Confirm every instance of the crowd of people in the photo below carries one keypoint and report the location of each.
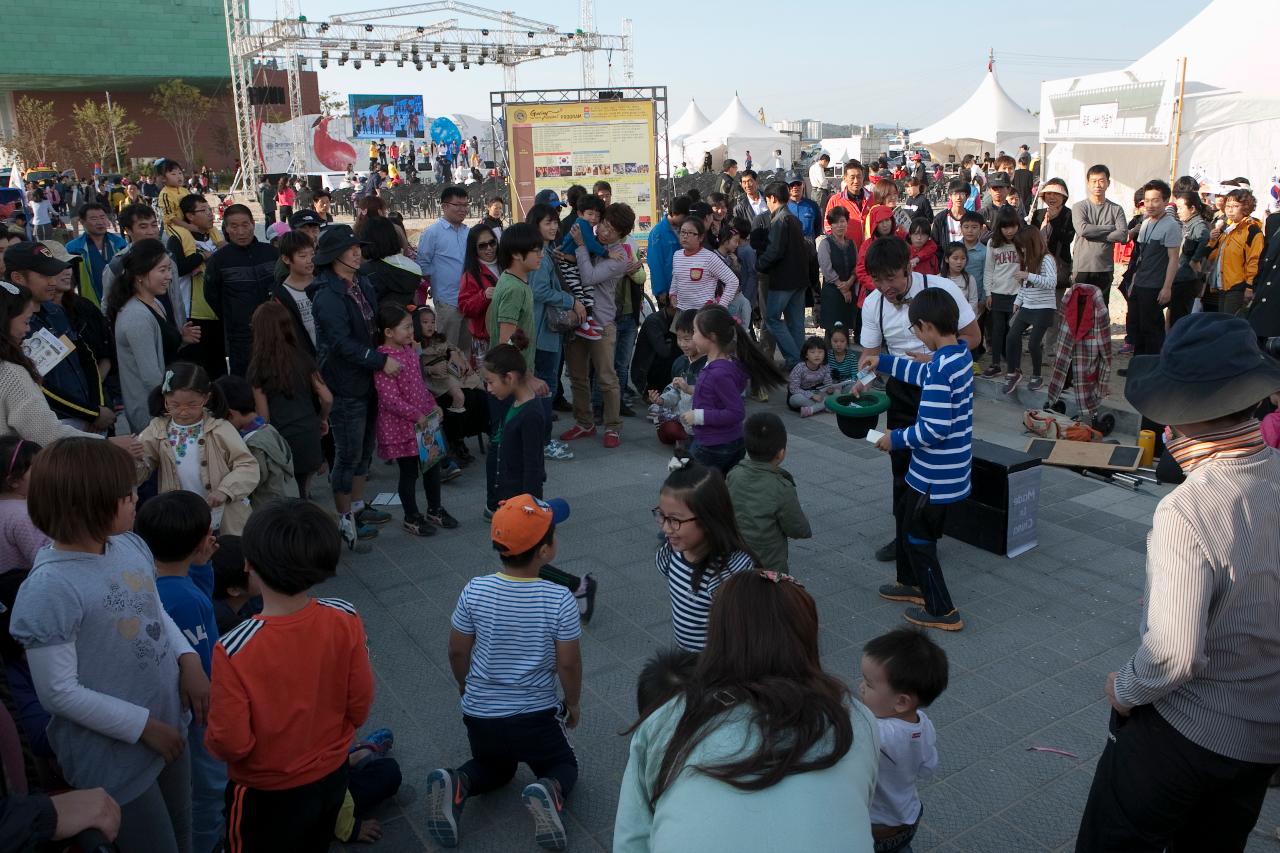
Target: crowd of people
(171, 393)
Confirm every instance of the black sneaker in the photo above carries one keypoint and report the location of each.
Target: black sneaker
(369, 515)
(446, 795)
(626, 411)
(418, 525)
(887, 553)
(947, 622)
(586, 599)
(560, 404)
(1105, 424)
(441, 518)
(901, 592)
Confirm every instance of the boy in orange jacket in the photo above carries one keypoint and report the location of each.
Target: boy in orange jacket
(291, 686)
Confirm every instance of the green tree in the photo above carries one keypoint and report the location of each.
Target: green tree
(333, 104)
(184, 107)
(102, 134)
(32, 139)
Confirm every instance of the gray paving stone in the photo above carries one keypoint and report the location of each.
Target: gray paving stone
(1042, 632)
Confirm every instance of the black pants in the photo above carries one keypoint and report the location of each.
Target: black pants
(1038, 320)
(904, 408)
(497, 413)
(408, 486)
(210, 352)
(371, 781)
(1000, 314)
(919, 525)
(1100, 280)
(500, 744)
(1183, 299)
(294, 820)
(1155, 790)
(1148, 320)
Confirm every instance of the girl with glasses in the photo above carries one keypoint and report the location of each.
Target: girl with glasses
(699, 276)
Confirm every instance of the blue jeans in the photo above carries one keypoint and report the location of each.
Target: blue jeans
(208, 786)
(784, 318)
(353, 422)
(546, 366)
(721, 456)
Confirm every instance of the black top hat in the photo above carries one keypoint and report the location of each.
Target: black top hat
(333, 241)
(1210, 367)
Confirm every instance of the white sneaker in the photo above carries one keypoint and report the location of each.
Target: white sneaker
(347, 530)
(557, 450)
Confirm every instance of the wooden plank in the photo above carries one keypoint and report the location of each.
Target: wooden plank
(1086, 454)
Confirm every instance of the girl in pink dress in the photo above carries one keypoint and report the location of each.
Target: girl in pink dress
(404, 409)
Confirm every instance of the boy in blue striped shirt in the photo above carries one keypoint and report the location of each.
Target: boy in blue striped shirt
(513, 635)
(941, 445)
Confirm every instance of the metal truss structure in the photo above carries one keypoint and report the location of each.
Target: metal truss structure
(294, 44)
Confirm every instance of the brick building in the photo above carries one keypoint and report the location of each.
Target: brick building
(67, 51)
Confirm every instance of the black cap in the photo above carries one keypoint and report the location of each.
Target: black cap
(998, 180)
(34, 257)
(333, 241)
(306, 217)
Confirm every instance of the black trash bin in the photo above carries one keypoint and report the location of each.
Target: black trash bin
(1000, 513)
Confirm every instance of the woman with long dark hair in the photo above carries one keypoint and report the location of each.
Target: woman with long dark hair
(285, 198)
(475, 291)
(146, 337)
(762, 749)
(1188, 282)
(549, 292)
(395, 278)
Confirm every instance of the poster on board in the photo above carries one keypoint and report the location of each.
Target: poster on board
(554, 146)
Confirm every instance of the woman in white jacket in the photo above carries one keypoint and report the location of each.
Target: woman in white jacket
(1036, 307)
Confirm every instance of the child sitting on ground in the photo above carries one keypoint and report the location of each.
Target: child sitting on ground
(288, 781)
(276, 477)
(765, 502)
(903, 672)
(588, 210)
(232, 601)
(844, 367)
(513, 636)
(941, 445)
(810, 380)
(177, 528)
(20, 539)
(110, 667)
(701, 546)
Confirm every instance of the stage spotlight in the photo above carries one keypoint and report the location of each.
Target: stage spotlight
(396, 46)
(354, 46)
(530, 34)
(324, 63)
(356, 64)
(484, 32)
(452, 67)
(417, 65)
(433, 63)
(382, 57)
(324, 28)
(482, 60)
(342, 60)
(421, 30)
(368, 28)
(399, 63)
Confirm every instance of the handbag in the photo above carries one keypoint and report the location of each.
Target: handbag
(431, 443)
(559, 320)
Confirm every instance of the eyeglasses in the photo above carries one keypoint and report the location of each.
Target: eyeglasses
(487, 244)
(665, 520)
(684, 233)
(183, 407)
(457, 204)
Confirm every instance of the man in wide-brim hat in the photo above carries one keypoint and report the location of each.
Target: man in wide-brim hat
(1195, 728)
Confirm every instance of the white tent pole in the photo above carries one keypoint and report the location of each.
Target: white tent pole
(1177, 131)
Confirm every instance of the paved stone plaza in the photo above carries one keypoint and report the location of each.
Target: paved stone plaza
(1042, 631)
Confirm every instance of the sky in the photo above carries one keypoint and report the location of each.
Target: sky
(929, 65)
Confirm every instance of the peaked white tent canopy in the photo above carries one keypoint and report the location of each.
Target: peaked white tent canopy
(691, 122)
(989, 120)
(1230, 116)
(735, 132)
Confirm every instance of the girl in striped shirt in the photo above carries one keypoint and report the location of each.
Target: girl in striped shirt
(701, 547)
(699, 275)
(844, 366)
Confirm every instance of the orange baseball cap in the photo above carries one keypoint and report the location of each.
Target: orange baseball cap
(521, 522)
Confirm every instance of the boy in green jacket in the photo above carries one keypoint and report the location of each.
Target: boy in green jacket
(764, 495)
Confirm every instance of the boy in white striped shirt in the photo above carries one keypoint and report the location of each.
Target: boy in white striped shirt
(941, 445)
(513, 635)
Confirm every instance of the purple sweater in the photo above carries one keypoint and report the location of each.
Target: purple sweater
(718, 397)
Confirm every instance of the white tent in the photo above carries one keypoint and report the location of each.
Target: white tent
(1126, 119)
(735, 132)
(691, 122)
(989, 120)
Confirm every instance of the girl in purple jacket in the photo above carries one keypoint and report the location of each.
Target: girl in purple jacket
(734, 362)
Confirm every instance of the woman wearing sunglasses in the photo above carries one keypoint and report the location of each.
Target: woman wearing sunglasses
(475, 291)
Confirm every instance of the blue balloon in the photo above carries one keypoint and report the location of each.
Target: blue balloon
(443, 130)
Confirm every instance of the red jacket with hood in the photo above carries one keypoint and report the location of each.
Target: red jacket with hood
(875, 215)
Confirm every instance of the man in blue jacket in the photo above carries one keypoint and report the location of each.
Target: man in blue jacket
(344, 309)
(663, 244)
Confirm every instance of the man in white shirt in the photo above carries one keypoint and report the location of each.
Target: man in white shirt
(819, 183)
(887, 329)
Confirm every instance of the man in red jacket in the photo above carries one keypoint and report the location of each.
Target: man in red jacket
(853, 198)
